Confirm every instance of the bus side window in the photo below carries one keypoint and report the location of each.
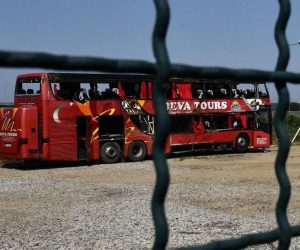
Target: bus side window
(261, 94)
(30, 92)
(111, 91)
(197, 90)
(56, 90)
(250, 121)
(181, 124)
(143, 90)
(184, 90)
(209, 94)
(222, 122)
(131, 89)
(29, 87)
(146, 90)
(94, 92)
(223, 93)
(200, 93)
(250, 93)
(149, 90)
(83, 95)
(21, 91)
(207, 122)
(234, 93)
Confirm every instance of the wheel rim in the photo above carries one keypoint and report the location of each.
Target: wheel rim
(137, 151)
(242, 142)
(111, 152)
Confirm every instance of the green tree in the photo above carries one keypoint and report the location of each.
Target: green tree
(294, 106)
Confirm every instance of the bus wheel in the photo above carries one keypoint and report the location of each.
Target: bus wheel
(110, 152)
(137, 151)
(241, 143)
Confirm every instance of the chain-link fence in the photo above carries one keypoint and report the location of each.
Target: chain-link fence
(163, 69)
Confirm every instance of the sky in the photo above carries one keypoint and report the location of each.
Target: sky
(228, 33)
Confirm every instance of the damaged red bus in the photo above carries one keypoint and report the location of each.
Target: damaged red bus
(110, 117)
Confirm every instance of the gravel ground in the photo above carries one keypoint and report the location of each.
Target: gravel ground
(211, 197)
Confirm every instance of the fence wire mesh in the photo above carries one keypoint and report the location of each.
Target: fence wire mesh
(163, 69)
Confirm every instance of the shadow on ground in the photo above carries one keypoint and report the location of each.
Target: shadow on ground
(37, 164)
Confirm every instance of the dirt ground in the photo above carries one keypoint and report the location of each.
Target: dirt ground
(230, 185)
(236, 170)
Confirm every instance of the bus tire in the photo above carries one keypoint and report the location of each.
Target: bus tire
(137, 151)
(241, 143)
(110, 152)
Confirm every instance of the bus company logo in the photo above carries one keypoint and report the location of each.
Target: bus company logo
(189, 106)
(7, 122)
(261, 141)
(235, 106)
(255, 102)
(9, 134)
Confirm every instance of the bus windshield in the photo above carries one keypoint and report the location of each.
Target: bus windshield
(28, 86)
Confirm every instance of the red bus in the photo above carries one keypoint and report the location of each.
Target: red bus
(110, 117)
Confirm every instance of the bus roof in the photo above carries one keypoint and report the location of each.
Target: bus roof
(57, 76)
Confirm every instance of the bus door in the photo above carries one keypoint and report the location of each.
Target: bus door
(81, 137)
(31, 117)
(262, 130)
